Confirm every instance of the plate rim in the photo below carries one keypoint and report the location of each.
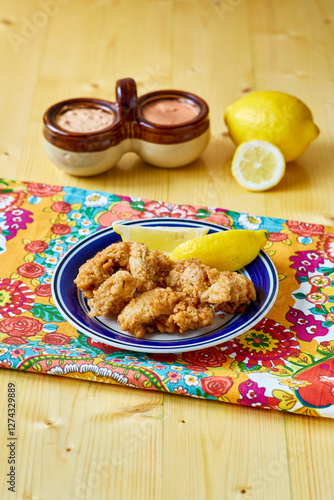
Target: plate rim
(139, 345)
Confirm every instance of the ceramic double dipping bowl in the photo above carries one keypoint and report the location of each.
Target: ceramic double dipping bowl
(88, 136)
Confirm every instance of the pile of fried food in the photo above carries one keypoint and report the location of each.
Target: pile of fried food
(149, 292)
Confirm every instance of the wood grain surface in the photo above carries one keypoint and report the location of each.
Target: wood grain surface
(86, 441)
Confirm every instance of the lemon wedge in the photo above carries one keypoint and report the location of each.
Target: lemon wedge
(258, 165)
(164, 238)
(228, 250)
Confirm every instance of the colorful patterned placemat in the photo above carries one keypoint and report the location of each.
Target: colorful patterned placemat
(286, 362)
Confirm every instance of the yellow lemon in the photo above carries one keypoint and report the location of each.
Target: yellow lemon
(258, 165)
(276, 117)
(228, 250)
(164, 238)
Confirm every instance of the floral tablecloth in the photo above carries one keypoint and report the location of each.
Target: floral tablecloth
(286, 362)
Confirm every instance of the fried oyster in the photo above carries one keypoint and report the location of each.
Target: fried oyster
(149, 292)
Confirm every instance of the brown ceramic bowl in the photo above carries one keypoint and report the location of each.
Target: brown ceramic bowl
(173, 145)
(82, 153)
(91, 153)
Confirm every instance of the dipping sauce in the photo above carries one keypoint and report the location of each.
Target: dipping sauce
(85, 119)
(170, 111)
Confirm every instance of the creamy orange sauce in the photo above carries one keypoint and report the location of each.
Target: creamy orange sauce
(170, 111)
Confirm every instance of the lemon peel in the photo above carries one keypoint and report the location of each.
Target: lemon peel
(276, 117)
(164, 238)
(228, 250)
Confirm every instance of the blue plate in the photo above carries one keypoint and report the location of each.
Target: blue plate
(73, 306)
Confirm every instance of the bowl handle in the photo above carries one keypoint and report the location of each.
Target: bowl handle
(126, 95)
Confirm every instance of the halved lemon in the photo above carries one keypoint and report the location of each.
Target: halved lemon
(164, 238)
(258, 165)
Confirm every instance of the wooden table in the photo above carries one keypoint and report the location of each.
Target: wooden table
(80, 440)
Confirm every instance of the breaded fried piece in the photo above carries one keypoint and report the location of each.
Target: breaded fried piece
(99, 268)
(226, 291)
(164, 310)
(113, 295)
(172, 296)
(242, 293)
(190, 314)
(200, 281)
(148, 267)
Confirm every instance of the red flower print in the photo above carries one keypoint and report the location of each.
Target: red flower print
(320, 281)
(216, 386)
(15, 298)
(267, 344)
(31, 270)
(121, 211)
(329, 247)
(43, 290)
(325, 343)
(173, 376)
(106, 348)
(319, 393)
(21, 325)
(155, 209)
(183, 212)
(277, 237)
(10, 200)
(164, 357)
(304, 229)
(16, 353)
(14, 341)
(41, 190)
(61, 229)
(219, 218)
(204, 359)
(37, 246)
(161, 209)
(56, 339)
(317, 298)
(61, 206)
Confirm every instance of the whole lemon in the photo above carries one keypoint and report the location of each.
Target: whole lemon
(276, 117)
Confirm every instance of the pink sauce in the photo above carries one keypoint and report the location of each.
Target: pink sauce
(170, 111)
(85, 119)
